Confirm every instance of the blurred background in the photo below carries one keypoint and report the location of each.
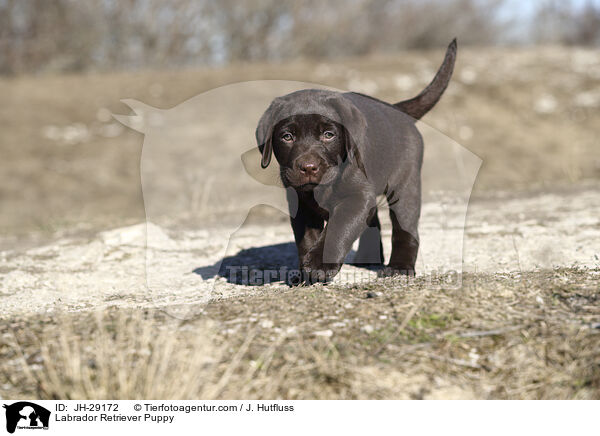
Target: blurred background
(524, 97)
(104, 35)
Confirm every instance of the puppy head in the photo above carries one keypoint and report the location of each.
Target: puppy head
(311, 132)
(308, 148)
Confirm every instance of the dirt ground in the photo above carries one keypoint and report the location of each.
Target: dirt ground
(78, 319)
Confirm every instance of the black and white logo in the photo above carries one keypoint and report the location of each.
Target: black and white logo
(26, 415)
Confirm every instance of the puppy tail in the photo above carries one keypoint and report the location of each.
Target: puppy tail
(418, 106)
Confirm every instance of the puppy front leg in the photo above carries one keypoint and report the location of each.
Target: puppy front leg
(348, 219)
(307, 227)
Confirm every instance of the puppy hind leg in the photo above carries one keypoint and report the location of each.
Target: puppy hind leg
(405, 248)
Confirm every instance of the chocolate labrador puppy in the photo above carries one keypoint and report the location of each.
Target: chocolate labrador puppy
(337, 152)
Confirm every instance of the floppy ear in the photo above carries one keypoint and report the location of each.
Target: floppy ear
(352, 151)
(349, 144)
(266, 149)
(264, 132)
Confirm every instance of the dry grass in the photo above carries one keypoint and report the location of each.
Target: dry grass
(519, 336)
(111, 356)
(134, 355)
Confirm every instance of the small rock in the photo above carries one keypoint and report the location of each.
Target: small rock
(368, 329)
(371, 294)
(266, 324)
(324, 333)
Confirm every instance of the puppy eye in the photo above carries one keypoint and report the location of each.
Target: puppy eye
(287, 137)
(328, 134)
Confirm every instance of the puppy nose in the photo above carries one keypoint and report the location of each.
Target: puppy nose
(309, 167)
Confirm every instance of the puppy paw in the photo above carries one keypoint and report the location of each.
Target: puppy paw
(314, 270)
(318, 272)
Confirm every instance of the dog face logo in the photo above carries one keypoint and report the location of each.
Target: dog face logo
(26, 415)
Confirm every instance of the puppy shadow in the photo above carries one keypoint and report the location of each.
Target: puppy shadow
(255, 266)
(259, 266)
